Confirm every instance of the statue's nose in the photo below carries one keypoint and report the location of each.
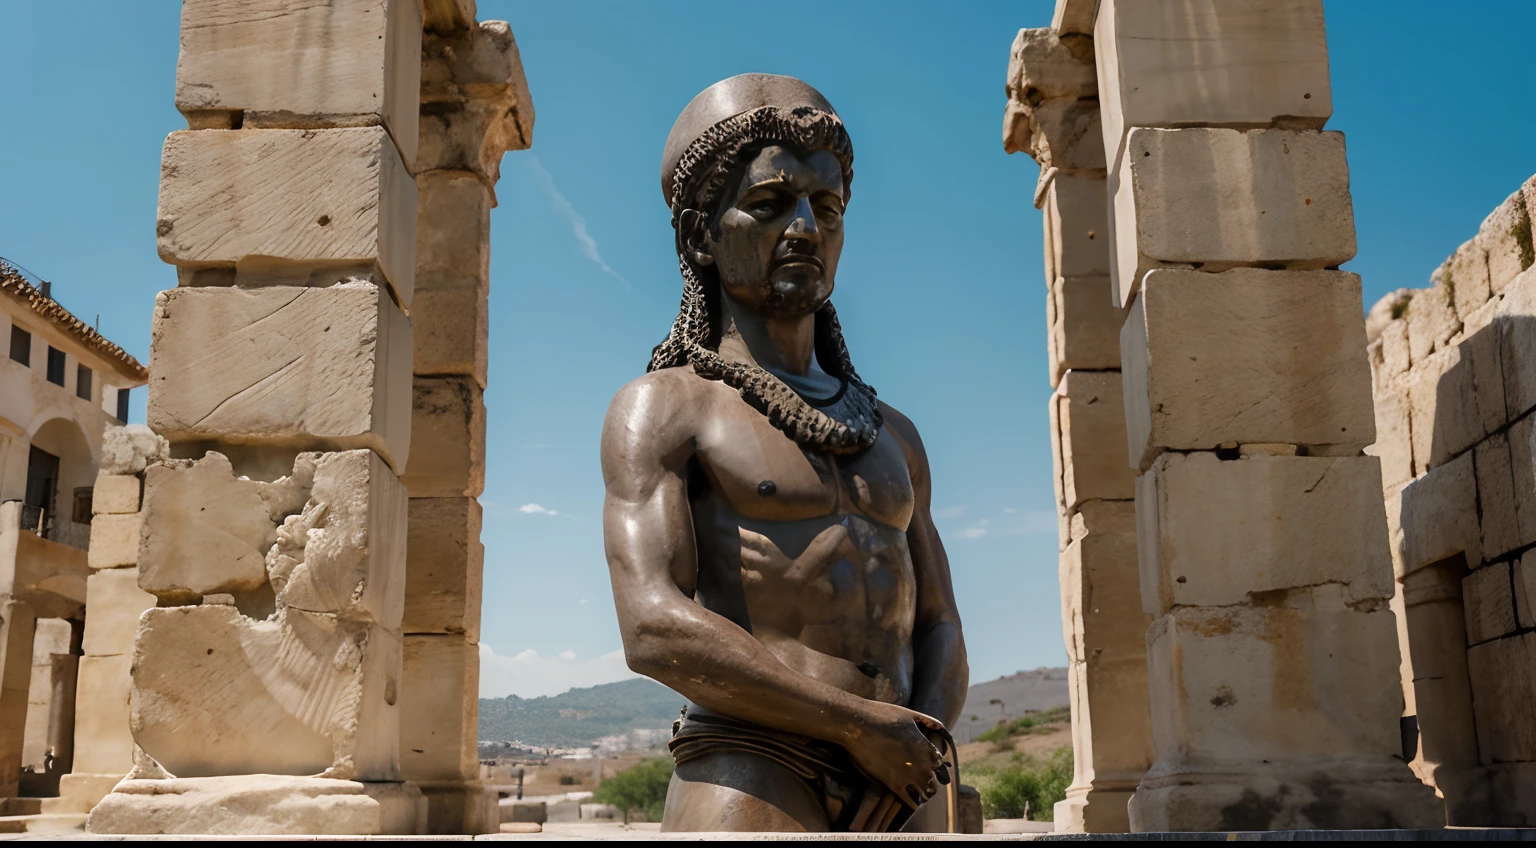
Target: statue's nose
(803, 225)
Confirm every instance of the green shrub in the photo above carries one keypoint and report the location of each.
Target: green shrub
(641, 787)
(1032, 784)
(1034, 721)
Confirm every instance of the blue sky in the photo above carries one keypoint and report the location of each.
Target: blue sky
(940, 288)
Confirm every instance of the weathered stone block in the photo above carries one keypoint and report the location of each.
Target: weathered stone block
(1516, 322)
(1394, 445)
(1496, 495)
(444, 568)
(291, 64)
(103, 744)
(270, 804)
(344, 553)
(439, 709)
(1246, 356)
(306, 368)
(282, 203)
(1105, 632)
(1522, 464)
(1040, 67)
(451, 332)
(1395, 358)
(216, 693)
(1063, 515)
(1506, 235)
(1235, 62)
(113, 603)
(115, 494)
(1525, 590)
(1439, 516)
(1457, 398)
(208, 530)
(1085, 329)
(1465, 275)
(1213, 532)
(129, 449)
(330, 536)
(1079, 229)
(1489, 600)
(114, 541)
(448, 437)
(1222, 198)
(475, 101)
(1431, 321)
(1060, 133)
(1503, 674)
(1302, 679)
(1093, 430)
(453, 231)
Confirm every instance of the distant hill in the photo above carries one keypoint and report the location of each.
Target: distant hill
(1019, 693)
(580, 717)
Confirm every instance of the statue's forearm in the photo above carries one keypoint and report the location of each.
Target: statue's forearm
(721, 667)
(940, 671)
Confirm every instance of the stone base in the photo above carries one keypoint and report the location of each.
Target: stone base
(78, 793)
(460, 808)
(1094, 811)
(1321, 796)
(260, 804)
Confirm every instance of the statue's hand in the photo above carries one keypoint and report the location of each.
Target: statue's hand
(894, 750)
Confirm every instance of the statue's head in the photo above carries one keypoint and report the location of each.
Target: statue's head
(757, 171)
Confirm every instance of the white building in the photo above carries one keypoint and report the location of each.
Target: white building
(61, 385)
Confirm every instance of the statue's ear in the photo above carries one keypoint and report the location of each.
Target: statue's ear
(693, 227)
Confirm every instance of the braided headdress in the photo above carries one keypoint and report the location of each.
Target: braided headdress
(701, 176)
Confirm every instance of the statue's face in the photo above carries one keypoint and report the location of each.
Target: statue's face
(777, 240)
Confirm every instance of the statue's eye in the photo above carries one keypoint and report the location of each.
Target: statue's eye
(764, 206)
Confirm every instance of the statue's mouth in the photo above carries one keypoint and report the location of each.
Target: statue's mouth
(800, 259)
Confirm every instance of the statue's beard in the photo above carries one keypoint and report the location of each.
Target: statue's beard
(783, 295)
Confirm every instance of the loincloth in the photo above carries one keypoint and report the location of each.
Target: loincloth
(826, 769)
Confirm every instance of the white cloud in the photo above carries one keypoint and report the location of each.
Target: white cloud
(578, 223)
(1008, 510)
(529, 675)
(582, 601)
(951, 511)
(535, 509)
(975, 531)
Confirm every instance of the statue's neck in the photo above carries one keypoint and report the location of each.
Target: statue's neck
(780, 345)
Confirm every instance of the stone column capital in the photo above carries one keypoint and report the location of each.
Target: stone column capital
(475, 103)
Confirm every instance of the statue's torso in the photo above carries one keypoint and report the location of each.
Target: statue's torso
(807, 551)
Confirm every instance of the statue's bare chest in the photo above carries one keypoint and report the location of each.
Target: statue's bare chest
(763, 474)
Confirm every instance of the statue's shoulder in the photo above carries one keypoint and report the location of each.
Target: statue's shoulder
(664, 405)
(900, 426)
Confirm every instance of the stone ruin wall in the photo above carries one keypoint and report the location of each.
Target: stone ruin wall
(1225, 562)
(301, 532)
(1454, 377)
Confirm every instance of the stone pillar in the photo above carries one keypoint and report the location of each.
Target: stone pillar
(1053, 114)
(113, 604)
(18, 628)
(1262, 540)
(50, 706)
(267, 680)
(474, 106)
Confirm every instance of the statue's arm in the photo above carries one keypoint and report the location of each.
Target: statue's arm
(941, 673)
(652, 560)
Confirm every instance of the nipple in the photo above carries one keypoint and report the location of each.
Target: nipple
(869, 669)
(766, 488)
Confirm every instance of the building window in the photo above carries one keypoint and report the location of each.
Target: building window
(82, 511)
(55, 366)
(82, 382)
(21, 345)
(122, 405)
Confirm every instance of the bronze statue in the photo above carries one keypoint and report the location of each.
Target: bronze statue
(767, 518)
